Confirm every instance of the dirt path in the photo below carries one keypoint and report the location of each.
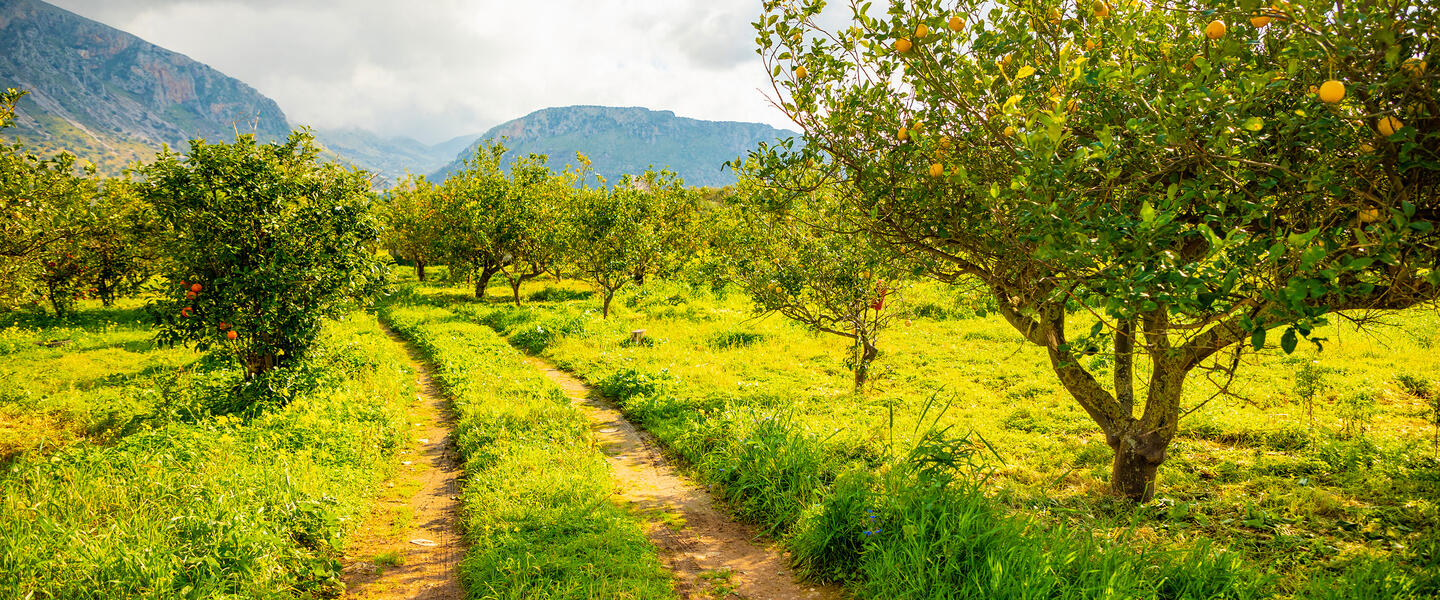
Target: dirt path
(416, 521)
(711, 555)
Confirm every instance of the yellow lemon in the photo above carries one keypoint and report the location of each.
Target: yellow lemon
(1215, 30)
(956, 23)
(1413, 67)
(922, 31)
(937, 170)
(903, 45)
(1332, 91)
(1388, 126)
(903, 135)
(1102, 9)
(801, 72)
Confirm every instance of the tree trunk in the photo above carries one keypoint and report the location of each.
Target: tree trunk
(483, 282)
(258, 364)
(515, 289)
(1141, 444)
(420, 269)
(862, 368)
(1132, 475)
(609, 295)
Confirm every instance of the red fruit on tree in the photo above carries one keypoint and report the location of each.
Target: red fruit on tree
(231, 335)
(196, 288)
(224, 326)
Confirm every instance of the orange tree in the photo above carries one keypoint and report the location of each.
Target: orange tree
(1171, 182)
(790, 254)
(266, 242)
(120, 245)
(414, 222)
(479, 217)
(45, 205)
(635, 229)
(532, 231)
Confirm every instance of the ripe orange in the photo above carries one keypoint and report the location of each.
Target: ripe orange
(903, 45)
(956, 23)
(1102, 9)
(922, 31)
(937, 170)
(1215, 30)
(230, 335)
(196, 288)
(1332, 91)
(1388, 126)
(190, 295)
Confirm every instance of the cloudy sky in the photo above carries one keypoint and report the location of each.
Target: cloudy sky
(436, 69)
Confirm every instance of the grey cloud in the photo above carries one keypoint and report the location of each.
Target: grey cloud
(434, 69)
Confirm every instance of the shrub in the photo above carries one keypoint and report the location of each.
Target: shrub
(267, 243)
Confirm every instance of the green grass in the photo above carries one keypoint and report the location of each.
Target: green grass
(539, 518)
(96, 376)
(204, 507)
(1331, 498)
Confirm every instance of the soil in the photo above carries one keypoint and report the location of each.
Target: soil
(417, 518)
(711, 554)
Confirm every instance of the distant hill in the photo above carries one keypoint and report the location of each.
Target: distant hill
(391, 157)
(629, 140)
(110, 97)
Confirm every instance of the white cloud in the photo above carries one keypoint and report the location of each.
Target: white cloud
(434, 69)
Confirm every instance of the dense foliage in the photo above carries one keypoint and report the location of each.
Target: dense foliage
(1165, 169)
(266, 242)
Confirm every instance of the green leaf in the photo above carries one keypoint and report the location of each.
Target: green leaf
(1289, 340)
(1257, 339)
(1254, 124)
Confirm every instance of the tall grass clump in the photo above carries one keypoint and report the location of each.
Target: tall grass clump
(538, 515)
(220, 507)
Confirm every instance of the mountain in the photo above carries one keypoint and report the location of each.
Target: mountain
(629, 140)
(390, 157)
(110, 97)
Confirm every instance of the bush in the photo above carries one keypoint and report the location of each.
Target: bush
(731, 340)
(267, 243)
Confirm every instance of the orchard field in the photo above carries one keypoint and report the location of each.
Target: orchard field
(1050, 300)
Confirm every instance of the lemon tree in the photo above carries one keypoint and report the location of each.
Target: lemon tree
(1165, 181)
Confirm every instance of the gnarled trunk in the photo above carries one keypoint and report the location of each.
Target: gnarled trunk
(1139, 452)
(420, 269)
(515, 289)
